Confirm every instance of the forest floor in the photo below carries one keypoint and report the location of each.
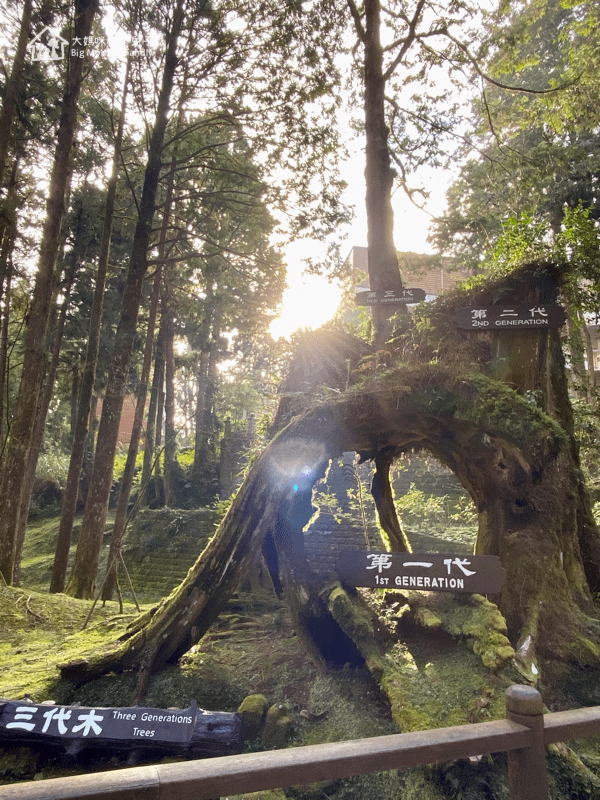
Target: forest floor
(253, 649)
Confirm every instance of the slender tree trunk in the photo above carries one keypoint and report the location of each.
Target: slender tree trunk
(120, 523)
(15, 463)
(85, 568)
(589, 354)
(13, 86)
(84, 408)
(75, 382)
(205, 449)
(8, 242)
(383, 496)
(202, 383)
(40, 420)
(384, 272)
(4, 359)
(170, 438)
(158, 483)
(149, 441)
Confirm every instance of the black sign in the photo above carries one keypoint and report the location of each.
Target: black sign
(74, 722)
(390, 296)
(511, 318)
(429, 572)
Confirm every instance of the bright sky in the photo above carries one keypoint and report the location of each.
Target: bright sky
(310, 301)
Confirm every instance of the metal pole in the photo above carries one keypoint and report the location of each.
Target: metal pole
(527, 778)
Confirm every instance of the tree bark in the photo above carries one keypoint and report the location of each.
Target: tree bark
(202, 382)
(13, 87)
(120, 522)
(4, 359)
(8, 242)
(160, 365)
(384, 272)
(85, 568)
(170, 469)
(382, 492)
(71, 493)
(205, 447)
(149, 442)
(35, 344)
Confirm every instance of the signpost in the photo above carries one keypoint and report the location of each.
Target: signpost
(157, 724)
(191, 732)
(389, 297)
(511, 318)
(429, 572)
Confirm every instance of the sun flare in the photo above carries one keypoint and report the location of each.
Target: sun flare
(308, 302)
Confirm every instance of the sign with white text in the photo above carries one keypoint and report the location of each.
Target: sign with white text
(70, 722)
(511, 318)
(428, 572)
(389, 297)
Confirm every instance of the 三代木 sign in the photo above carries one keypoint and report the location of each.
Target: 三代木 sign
(68, 722)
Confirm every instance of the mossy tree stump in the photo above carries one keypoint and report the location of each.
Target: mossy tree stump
(499, 418)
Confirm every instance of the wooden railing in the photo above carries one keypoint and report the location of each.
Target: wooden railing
(524, 735)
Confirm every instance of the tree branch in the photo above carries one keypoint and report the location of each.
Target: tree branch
(488, 78)
(360, 31)
(410, 38)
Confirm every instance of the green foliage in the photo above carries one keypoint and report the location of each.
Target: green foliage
(529, 155)
(420, 509)
(53, 465)
(527, 239)
(523, 240)
(416, 508)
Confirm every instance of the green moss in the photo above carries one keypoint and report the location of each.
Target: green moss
(427, 618)
(351, 707)
(356, 622)
(496, 408)
(253, 709)
(569, 777)
(421, 784)
(397, 683)
(278, 726)
(16, 763)
(38, 631)
(482, 624)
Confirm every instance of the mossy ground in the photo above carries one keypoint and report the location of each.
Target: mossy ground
(441, 679)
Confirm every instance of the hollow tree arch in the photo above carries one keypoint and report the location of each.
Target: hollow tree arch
(480, 417)
(514, 460)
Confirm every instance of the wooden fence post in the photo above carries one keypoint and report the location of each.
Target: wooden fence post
(527, 777)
